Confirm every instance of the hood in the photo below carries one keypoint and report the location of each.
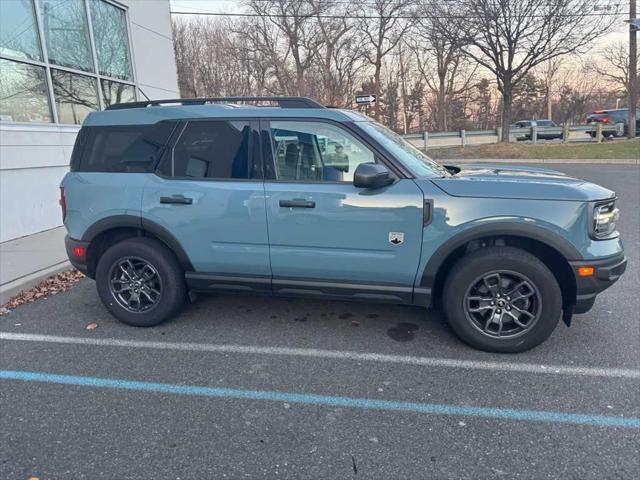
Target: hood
(503, 181)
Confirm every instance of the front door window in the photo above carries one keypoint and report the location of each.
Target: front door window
(316, 151)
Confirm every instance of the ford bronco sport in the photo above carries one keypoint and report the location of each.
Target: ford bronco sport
(165, 198)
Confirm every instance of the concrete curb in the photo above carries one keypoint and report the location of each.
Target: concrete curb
(586, 161)
(18, 285)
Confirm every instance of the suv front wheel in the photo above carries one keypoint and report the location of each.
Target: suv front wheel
(140, 282)
(502, 299)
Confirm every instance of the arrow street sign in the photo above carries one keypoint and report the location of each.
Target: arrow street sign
(365, 99)
(635, 23)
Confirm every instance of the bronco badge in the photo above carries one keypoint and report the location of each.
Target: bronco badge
(396, 238)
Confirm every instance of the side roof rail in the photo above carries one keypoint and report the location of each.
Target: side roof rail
(282, 102)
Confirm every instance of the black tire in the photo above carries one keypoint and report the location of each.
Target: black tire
(504, 264)
(168, 280)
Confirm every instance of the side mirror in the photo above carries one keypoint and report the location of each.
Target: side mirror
(372, 175)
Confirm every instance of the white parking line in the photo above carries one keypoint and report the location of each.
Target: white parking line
(332, 354)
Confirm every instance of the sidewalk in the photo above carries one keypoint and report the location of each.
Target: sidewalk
(26, 261)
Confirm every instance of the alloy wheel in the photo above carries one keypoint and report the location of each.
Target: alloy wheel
(135, 284)
(503, 304)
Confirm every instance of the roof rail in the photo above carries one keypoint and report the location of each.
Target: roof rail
(283, 102)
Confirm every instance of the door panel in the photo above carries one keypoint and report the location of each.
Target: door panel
(209, 194)
(223, 230)
(321, 227)
(346, 236)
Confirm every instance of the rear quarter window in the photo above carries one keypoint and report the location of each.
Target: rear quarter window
(121, 148)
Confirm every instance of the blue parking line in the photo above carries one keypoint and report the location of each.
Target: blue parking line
(328, 401)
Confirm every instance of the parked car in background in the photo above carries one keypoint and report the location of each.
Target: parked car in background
(615, 116)
(542, 134)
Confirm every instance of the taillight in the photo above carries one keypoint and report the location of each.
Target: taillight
(605, 120)
(63, 204)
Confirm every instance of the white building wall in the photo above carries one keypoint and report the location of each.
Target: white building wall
(35, 157)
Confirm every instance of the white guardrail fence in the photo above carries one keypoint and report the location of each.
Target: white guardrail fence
(579, 133)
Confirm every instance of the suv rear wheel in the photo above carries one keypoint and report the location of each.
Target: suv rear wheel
(502, 299)
(140, 282)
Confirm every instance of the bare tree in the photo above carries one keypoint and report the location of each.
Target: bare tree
(404, 72)
(295, 21)
(441, 64)
(382, 24)
(511, 37)
(550, 73)
(181, 47)
(331, 49)
(613, 67)
(271, 56)
(579, 92)
(337, 52)
(211, 60)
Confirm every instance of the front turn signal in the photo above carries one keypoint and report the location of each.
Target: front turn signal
(586, 271)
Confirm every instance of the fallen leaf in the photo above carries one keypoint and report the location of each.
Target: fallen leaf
(92, 326)
(51, 286)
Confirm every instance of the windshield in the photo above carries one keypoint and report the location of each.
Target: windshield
(411, 157)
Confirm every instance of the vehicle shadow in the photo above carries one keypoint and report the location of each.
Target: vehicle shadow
(308, 321)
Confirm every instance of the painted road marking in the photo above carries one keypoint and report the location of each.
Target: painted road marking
(327, 401)
(332, 354)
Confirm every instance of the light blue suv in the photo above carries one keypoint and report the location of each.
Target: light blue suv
(166, 198)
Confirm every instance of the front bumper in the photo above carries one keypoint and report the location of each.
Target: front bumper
(78, 261)
(606, 272)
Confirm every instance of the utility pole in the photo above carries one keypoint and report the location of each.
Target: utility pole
(633, 68)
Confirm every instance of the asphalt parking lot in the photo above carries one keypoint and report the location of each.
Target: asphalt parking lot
(250, 387)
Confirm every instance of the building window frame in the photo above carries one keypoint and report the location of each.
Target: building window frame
(95, 75)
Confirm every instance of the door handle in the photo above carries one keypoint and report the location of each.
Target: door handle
(298, 203)
(178, 199)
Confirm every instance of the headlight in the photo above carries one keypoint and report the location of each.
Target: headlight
(605, 217)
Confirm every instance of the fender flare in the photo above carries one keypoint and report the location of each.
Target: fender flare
(144, 225)
(540, 234)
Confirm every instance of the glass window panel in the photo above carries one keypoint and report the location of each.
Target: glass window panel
(23, 93)
(111, 40)
(66, 32)
(316, 151)
(75, 96)
(116, 92)
(129, 148)
(215, 149)
(18, 30)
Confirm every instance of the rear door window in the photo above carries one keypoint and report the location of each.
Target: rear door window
(212, 150)
(122, 148)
